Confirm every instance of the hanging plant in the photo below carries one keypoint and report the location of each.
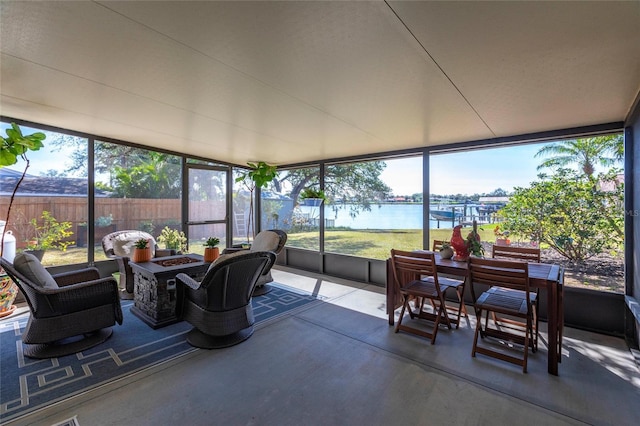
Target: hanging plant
(259, 175)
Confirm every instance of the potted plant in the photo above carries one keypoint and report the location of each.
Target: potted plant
(473, 242)
(502, 237)
(141, 251)
(259, 175)
(211, 251)
(446, 251)
(173, 239)
(49, 234)
(313, 197)
(103, 226)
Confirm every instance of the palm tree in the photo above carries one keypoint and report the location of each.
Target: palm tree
(586, 152)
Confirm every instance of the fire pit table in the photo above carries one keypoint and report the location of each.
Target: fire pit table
(155, 286)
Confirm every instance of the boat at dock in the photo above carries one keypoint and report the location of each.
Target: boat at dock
(446, 214)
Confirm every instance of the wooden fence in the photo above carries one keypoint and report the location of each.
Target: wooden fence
(127, 213)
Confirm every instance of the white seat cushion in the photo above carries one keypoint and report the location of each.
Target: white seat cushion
(29, 266)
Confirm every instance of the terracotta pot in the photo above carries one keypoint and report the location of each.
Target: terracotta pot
(502, 242)
(141, 255)
(211, 254)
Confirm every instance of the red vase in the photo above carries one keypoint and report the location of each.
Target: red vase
(459, 244)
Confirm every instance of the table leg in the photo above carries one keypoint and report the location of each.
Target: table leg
(390, 294)
(552, 314)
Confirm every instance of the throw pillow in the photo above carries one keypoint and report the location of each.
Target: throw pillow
(265, 241)
(29, 266)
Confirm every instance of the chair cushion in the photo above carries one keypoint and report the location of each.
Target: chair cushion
(29, 266)
(124, 243)
(265, 241)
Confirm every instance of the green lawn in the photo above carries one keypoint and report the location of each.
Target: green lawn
(375, 244)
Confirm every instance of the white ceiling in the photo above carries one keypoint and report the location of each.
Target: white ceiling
(289, 82)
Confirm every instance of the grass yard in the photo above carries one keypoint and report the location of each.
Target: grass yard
(375, 244)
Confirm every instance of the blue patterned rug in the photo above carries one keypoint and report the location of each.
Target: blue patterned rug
(29, 384)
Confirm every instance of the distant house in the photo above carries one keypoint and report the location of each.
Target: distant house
(610, 186)
(44, 186)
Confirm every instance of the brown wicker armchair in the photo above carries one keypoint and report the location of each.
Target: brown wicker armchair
(63, 306)
(219, 307)
(272, 240)
(119, 245)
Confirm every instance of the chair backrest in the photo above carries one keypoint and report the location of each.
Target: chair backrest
(496, 272)
(437, 245)
(229, 284)
(525, 254)
(409, 266)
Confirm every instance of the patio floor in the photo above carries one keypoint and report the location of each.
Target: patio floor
(340, 363)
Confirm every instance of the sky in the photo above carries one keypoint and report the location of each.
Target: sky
(478, 171)
(471, 172)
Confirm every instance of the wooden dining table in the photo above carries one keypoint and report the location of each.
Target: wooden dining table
(541, 275)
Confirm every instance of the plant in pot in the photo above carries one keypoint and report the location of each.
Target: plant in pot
(446, 251)
(259, 175)
(50, 233)
(141, 251)
(173, 239)
(312, 196)
(502, 237)
(473, 242)
(211, 251)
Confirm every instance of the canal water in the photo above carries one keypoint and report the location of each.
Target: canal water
(383, 216)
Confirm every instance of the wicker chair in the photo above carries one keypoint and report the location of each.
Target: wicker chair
(118, 245)
(271, 240)
(63, 306)
(219, 307)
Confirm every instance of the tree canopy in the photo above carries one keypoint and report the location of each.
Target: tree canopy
(575, 213)
(586, 153)
(356, 185)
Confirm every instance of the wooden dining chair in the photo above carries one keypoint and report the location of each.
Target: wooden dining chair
(415, 275)
(461, 309)
(437, 245)
(508, 294)
(524, 254)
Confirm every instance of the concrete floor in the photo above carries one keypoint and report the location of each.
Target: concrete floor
(338, 362)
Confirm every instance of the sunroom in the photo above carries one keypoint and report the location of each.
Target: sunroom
(412, 117)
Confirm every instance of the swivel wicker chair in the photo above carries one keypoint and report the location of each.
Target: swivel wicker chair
(119, 245)
(219, 307)
(64, 307)
(271, 240)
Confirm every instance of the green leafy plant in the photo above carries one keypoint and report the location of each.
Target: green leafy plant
(313, 193)
(212, 242)
(445, 245)
(142, 243)
(473, 241)
(571, 212)
(104, 220)
(12, 148)
(259, 175)
(50, 233)
(173, 239)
